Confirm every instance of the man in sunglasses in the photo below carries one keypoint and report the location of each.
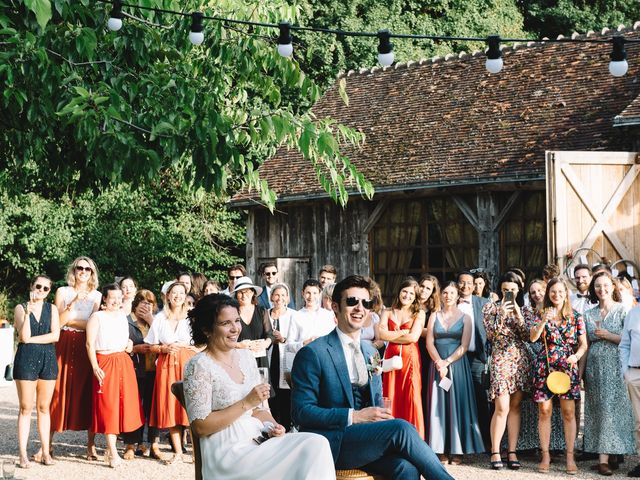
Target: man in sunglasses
(234, 272)
(270, 276)
(337, 393)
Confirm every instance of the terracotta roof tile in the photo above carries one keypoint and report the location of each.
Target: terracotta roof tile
(437, 121)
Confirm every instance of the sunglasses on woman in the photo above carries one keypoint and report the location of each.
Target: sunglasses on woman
(80, 268)
(353, 301)
(44, 288)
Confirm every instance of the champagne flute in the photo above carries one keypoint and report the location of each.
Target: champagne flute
(264, 378)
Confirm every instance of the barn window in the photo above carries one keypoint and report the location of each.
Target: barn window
(413, 237)
(523, 238)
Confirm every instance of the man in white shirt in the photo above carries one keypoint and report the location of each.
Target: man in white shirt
(472, 305)
(314, 320)
(580, 299)
(629, 350)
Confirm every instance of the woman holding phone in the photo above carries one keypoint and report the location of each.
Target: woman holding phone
(509, 367)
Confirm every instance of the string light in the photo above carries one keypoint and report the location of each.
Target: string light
(285, 45)
(196, 35)
(115, 17)
(618, 66)
(385, 49)
(494, 63)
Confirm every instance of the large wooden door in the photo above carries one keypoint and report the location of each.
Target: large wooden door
(593, 202)
(294, 272)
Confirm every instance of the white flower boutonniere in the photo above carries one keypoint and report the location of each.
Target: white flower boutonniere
(375, 364)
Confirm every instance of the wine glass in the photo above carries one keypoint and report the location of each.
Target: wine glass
(264, 378)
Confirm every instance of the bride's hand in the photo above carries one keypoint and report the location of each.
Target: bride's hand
(258, 394)
(277, 431)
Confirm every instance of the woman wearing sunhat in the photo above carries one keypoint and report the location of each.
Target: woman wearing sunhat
(256, 334)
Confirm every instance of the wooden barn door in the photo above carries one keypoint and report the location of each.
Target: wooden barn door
(593, 201)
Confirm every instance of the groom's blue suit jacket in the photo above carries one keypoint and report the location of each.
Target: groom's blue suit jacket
(321, 394)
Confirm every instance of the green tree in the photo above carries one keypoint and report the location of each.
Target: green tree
(92, 107)
(550, 18)
(323, 56)
(150, 233)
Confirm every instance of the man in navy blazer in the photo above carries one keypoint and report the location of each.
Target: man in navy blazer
(336, 393)
(269, 272)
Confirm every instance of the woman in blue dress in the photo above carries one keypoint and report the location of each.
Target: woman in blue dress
(35, 365)
(453, 418)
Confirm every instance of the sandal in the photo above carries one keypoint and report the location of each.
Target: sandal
(92, 455)
(155, 452)
(572, 468)
(497, 464)
(176, 458)
(47, 460)
(513, 464)
(24, 463)
(130, 452)
(543, 467)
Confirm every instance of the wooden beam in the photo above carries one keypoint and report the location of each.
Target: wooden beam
(596, 158)
(497, 223)
(375, 216)
(467, 211)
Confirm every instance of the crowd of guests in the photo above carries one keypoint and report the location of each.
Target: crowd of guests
(463, 364)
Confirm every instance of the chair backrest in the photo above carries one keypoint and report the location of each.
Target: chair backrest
(177, 388)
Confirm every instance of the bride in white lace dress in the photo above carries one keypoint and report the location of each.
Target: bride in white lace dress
(223, 394)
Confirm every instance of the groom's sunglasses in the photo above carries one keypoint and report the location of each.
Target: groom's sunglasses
(353, 301)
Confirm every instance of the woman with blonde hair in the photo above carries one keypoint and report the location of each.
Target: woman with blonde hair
(401, 326)
(71, 404)
(170, 337)
(562, 331)
(35, 365)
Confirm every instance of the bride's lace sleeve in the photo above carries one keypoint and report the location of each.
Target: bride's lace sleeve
(198, 388)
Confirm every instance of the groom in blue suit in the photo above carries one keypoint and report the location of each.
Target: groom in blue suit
(334, 395)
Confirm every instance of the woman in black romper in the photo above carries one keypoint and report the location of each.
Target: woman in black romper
(35, 365)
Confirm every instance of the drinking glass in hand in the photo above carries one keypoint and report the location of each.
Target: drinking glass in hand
(264, 378)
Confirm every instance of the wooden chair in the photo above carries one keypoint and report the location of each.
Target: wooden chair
(178, 390)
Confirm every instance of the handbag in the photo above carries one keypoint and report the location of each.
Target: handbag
(557, 382)
(8, 373)
(393, 363)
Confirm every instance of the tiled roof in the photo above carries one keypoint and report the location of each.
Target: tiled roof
(447, 120)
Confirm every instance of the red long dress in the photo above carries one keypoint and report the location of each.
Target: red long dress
(404, 387)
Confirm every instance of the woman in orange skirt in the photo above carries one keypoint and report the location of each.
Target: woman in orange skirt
(116, 408)
(170, 334)
(71, 402)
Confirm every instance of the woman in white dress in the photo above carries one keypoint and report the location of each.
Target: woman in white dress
(224, 397)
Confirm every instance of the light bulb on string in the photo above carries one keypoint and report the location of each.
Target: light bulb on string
(618, 65)
(285, 43)
(494, 61)
(196, 35)
(385, 48)
(115, 17)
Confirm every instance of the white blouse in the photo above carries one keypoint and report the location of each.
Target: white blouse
(162, 333)
(113, 331)
(81, 309)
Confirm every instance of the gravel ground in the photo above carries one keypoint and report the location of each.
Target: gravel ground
(71, 464)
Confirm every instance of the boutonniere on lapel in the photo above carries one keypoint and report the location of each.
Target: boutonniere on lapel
(375, 364)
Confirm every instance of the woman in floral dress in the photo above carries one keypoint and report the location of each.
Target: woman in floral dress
(509, 367)
(608, 421)
(563, 331)
(528, 439)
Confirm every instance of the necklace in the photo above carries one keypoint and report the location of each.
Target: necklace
(231, 366)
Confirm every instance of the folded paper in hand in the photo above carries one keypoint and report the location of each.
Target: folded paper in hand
(445, 384)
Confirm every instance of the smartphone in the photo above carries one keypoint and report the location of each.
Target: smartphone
(509, 297)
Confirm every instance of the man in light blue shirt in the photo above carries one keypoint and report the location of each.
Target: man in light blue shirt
(629, 350)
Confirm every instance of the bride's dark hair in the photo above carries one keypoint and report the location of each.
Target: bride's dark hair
(204, 314)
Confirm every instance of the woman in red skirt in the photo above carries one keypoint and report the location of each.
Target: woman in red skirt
(116, 407)
(71, 403)
(170, 335)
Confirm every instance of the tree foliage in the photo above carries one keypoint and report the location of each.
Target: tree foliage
(93, 107)
(550, 18)
(149, 233)
(323, 56)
